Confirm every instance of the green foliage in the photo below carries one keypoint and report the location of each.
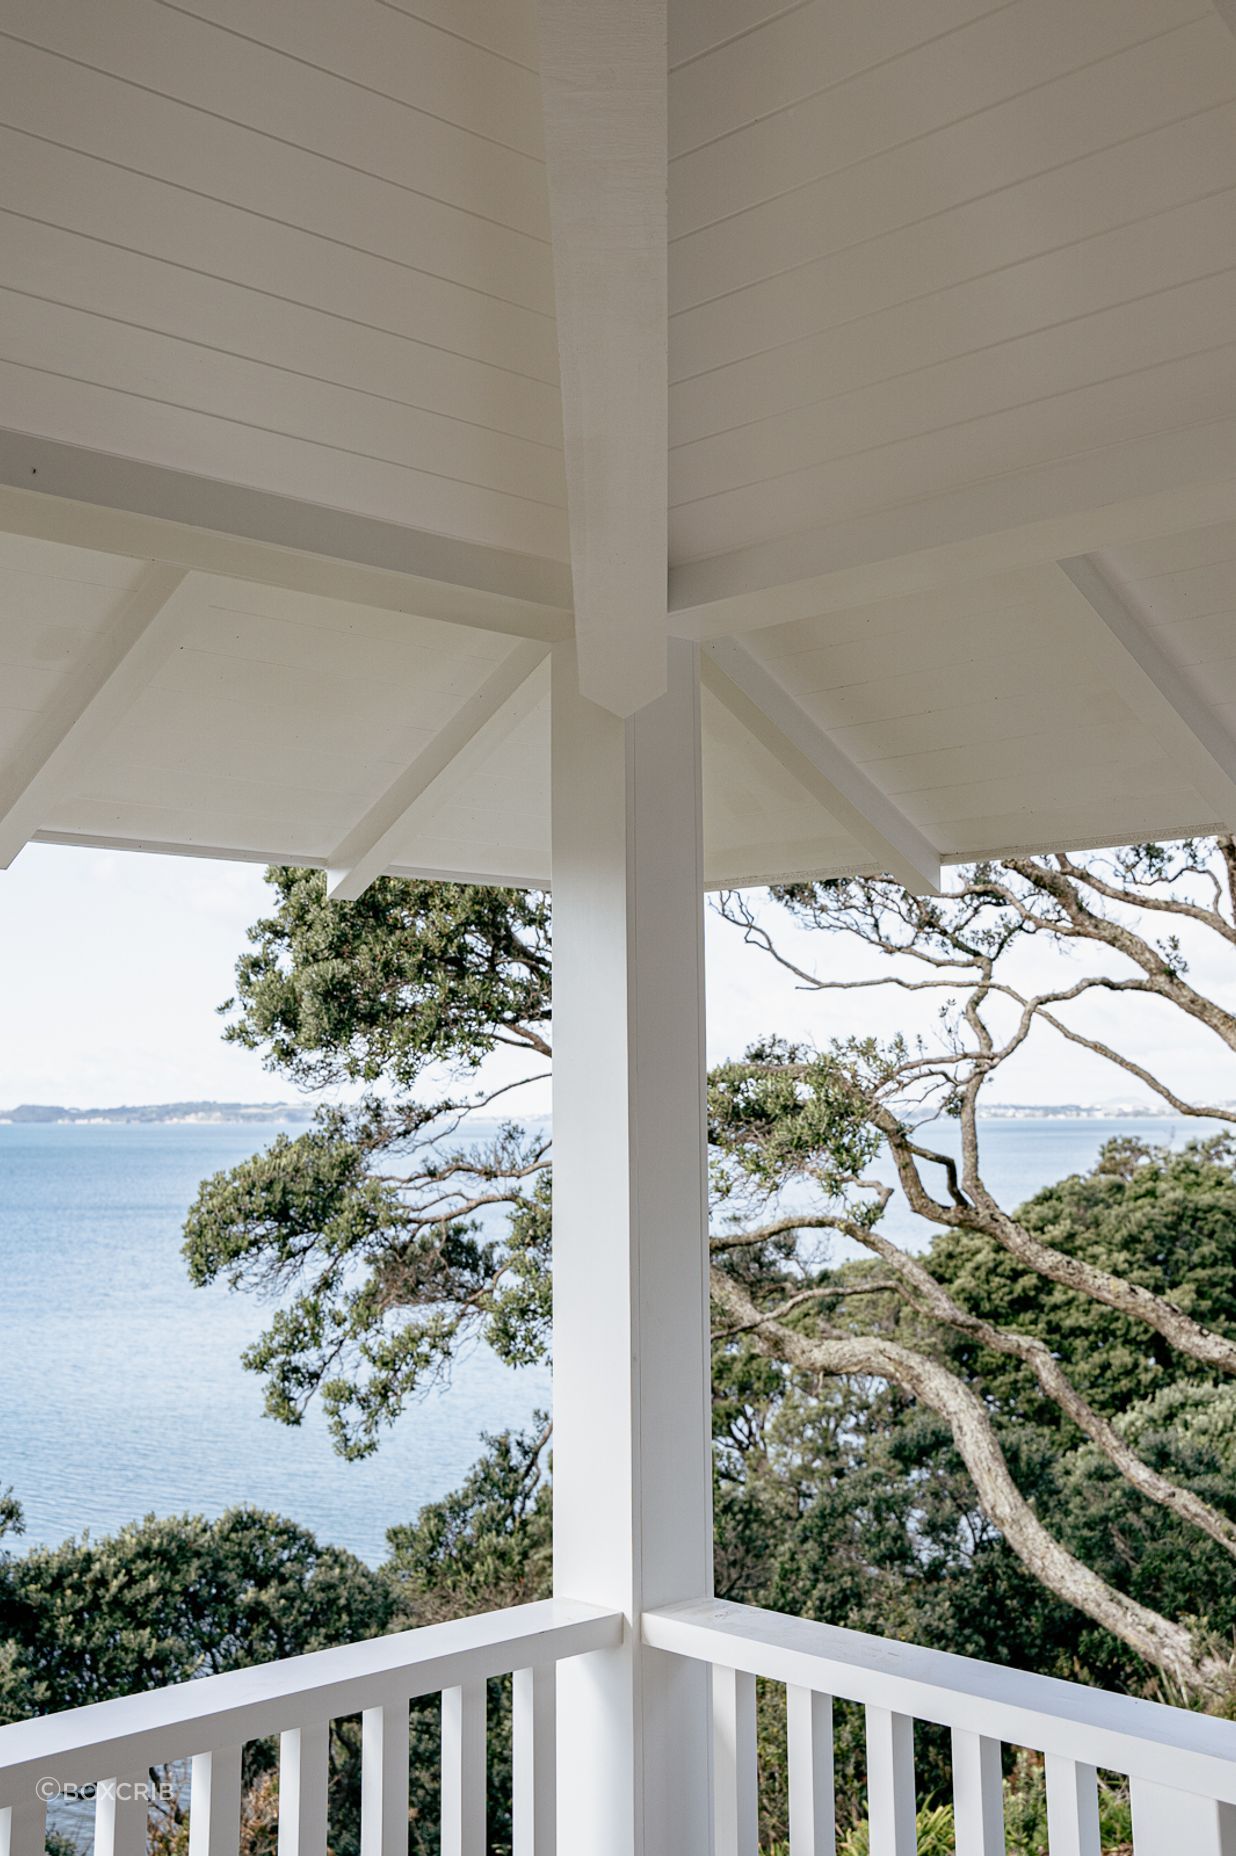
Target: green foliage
(486, 1545)
(165, 1600)
(1025, 1810)
(1164, 1218)
(933, 1828)
(411, 974)
(785, 1111)
(382, 1277)
(385, 1234)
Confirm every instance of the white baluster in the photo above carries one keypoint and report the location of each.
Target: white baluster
(121, 1807)
(304, 1757)
(384, 1780)
(978, 1795)
(23, 1828)
(1167, 1823)
(809, 1741)
(463, 1770)
(737, 1789)
(534, 1788)
(214, 1803)
(1072, 1808)
(890, 1783)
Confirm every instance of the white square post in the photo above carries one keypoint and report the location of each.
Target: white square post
(632, 1476)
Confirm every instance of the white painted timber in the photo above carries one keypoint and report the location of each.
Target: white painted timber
(367, 850)
(534, 1764)
(463, 1770)
(23, 1827)
(1167, 1823)
(1072, 1807)
(632, 1483)
(774, 716)
(214, 1803)
(809, 1740)
(1162, 1745)
(103, 684)
(1122, 640)
(978, 1794)
(91, 501)
(384, 1779)
(120, 1812)
(304, 1765)
(137, 1731)
(940, 542)
(890, 1783)
(736, 1801)
(604, 74)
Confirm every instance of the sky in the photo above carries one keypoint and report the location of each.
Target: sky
(115, 963)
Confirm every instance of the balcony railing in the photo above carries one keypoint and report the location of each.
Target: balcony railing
(1181, 1766)
(113, 1744)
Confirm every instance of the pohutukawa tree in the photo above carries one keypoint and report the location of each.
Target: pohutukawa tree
(392, 1235)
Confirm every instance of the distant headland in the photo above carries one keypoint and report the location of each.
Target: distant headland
(150, 1112)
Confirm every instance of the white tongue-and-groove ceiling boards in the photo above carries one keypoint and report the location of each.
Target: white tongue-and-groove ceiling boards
(353, 355)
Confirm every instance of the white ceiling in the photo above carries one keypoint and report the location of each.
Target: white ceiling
(952, 290)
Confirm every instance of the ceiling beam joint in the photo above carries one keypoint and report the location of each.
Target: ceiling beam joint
(1119, 636)
(756, 698)
(605, 88)
(369, 848)
(99, 690)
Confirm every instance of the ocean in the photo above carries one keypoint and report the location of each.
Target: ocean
(121, 1389)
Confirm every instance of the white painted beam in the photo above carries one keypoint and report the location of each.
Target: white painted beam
(776, 719)
(140, 637)
(67, 493)
(368, 848)
(1162, 486)
(604, 76)
(1119, 636)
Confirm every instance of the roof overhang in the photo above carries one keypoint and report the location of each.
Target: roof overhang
(347, 367)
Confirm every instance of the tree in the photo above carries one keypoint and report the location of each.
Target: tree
(786, 1114)
(11, 1521)
(399, 1236)
(165, 1600)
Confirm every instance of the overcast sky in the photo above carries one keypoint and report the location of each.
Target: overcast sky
(114, 964)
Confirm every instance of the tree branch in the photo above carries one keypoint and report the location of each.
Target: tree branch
(1166, 1645)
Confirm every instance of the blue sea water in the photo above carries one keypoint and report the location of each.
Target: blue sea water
(121, 1392)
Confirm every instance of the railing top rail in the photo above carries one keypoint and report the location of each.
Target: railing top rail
(1145, 1739)
(112, 1739)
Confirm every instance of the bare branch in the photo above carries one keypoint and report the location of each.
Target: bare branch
(1164, 1644)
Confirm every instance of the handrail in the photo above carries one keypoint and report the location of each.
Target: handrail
(1143, 1739)
(137, 1731)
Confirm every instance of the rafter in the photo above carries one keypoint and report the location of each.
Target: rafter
(1023, 520)
(604, 75)
(140, 637)
(1120, 637)
(369, 847)
(766, 708)
(67, 493)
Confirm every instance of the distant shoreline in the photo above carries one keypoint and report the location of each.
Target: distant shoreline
(179, 1114)
(207, 1114)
